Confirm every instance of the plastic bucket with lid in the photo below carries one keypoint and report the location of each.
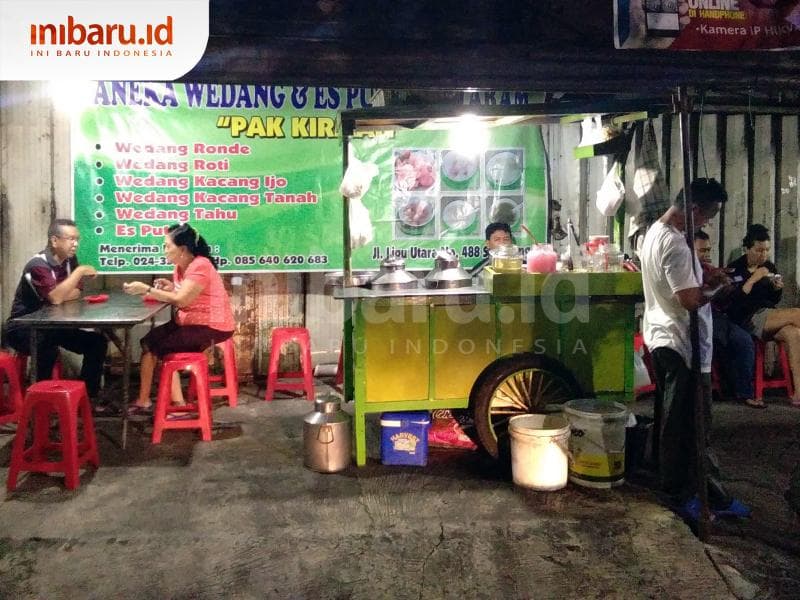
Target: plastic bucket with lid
(539, 451)
(597, 442)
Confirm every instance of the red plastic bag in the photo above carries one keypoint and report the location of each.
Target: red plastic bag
(445, 432)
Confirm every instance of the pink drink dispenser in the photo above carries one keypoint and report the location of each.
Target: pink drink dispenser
(542, 259)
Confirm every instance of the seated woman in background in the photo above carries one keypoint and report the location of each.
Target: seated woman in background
(734, 347)
(203, 316)
(752, 304)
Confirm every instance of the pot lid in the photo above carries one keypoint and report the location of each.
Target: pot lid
(447, 273)
(393, 262)
(393, 275)
(446, 259)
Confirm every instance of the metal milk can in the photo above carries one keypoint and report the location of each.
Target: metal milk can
(326, 437)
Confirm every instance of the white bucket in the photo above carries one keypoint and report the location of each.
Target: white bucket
(539, 451)
(597, 442)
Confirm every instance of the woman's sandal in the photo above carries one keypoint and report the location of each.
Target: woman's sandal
(795, 403)
(134, 410)
(755, 403)
(180, 416)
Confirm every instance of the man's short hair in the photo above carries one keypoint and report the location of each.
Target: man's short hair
(755, 233)
(706, 192)
(492, 227)
(56, 225)
(701, 235)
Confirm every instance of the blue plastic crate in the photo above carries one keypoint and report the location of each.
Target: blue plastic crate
(404, 438)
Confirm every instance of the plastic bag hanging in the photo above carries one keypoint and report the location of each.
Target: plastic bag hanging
(611, 193)
(355, 183)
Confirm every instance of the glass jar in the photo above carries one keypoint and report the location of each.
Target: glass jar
(506, 259)
(542, 259)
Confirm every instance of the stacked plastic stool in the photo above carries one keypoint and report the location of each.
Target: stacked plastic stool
(285, 335)
(230, 376)
(196, 364)
(69, 401)
(782, 381)
(10, 402)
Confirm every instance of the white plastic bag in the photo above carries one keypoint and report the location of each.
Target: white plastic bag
(641, 377)
(355, 183)
(360, 224)
(611, 193)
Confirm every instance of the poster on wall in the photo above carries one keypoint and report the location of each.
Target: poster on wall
(433, 191)
(255, 168)
(714, 25)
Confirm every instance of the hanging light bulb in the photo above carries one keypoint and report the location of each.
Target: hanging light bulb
(470, 136)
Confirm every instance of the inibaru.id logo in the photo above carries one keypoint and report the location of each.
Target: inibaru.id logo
(96, 34)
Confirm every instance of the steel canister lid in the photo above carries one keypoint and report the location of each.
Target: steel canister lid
(327, 405)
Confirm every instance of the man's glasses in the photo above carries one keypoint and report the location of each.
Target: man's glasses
(69, 238)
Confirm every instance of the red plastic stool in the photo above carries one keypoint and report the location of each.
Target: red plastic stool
(67, 399)
(230, 377)
(281, 336)
(11, 403)
(762, 383)
(196, 364)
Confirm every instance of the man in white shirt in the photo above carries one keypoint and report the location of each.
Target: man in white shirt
(673, 286)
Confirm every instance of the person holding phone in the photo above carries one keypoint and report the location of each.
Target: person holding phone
(753, 304)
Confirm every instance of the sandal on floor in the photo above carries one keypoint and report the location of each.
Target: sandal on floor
(735, 509)
(106, 410)
(755, 403)
(795, 403)
(134, 410)
(180, 416)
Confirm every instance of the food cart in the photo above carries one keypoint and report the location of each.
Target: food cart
(508, 343)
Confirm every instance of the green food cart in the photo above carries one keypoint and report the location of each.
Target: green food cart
(510, 344)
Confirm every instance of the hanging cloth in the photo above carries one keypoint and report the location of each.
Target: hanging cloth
(649, 184)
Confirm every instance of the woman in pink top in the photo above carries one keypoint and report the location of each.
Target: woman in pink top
(203, 316)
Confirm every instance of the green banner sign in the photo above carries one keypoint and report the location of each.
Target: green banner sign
(256, 169)
(441, 188)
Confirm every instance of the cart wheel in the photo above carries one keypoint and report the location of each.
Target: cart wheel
(516, 385)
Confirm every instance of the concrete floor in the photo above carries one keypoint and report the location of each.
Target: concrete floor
(241, 517)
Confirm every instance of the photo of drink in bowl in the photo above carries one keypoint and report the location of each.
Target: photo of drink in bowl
(414, 170)
(505, 209)
(460, 171)
(460, 216)
(415, 216)
(504, 169)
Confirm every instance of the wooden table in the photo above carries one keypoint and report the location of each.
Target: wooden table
(120, 311)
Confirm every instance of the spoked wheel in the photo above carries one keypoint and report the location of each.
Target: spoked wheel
(516, 385)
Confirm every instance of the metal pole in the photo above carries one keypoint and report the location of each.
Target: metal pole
(701, 475)
(347, 329)
(347, 130)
